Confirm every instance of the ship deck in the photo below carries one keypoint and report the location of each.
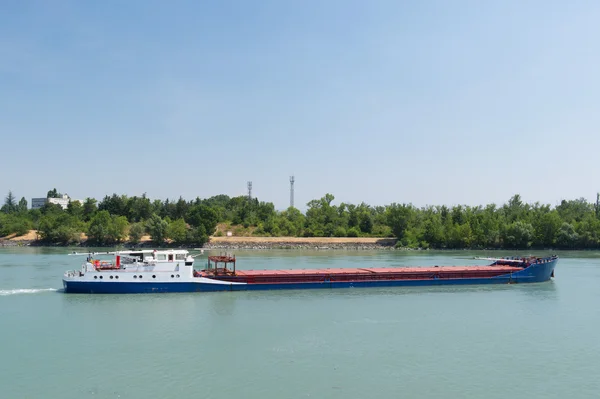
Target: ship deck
(359, 274)
(376, 270)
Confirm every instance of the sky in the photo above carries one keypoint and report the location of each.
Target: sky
(426, 102)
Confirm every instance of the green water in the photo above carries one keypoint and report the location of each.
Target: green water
(517, 341)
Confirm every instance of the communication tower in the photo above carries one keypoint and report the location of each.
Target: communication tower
(292, 191)
(249, 190)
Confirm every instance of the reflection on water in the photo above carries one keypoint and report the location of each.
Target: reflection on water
(221, 303)
(539, 291)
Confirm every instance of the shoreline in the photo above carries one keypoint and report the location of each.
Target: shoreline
(269, 243)
(322, 243)
(234, 243)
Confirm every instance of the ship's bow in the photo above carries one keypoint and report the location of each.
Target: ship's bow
(541, 270)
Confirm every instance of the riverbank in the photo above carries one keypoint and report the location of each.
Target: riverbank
(356, 243)
(234, 243)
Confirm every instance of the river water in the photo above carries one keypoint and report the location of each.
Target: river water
(518, 341)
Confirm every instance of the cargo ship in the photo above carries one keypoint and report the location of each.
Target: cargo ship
(152, 271)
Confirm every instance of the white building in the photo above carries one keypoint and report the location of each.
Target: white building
(37, 203)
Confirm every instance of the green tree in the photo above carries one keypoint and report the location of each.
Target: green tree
(546, 227)
(22, 206)
(157, 228)
(197, 235)
(202, 215)
(567, 237)
(13, 224)
(136, 232)
(400, 218)
(433, 230)
(118, 228)
(518, 235)
(588, 231)
(115, 205)
(100, 228)
(177, 231)
(74, 208)
(138, 209)
(10, 204)
(321, 217)
(59, 227)
(53, 194)
(89, 209)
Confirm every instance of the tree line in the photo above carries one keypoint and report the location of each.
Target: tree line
(574, 224)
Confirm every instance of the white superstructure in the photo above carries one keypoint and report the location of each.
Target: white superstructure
(172, 265)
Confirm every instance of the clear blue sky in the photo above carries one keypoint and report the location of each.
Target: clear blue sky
(429, 102)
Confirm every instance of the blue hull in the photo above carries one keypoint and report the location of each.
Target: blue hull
(535, 273)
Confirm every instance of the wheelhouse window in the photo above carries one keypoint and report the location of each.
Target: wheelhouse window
(180, 256)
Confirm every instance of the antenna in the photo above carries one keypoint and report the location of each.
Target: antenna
(249, 190)
(292, 191)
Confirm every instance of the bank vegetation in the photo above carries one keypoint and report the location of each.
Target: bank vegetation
(116, 219)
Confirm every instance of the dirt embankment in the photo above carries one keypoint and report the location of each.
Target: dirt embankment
(249, 242)
(300, 243)
(30, 236)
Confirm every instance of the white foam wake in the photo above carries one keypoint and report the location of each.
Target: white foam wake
(26, 291)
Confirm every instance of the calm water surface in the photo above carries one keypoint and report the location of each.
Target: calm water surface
(518, 341)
